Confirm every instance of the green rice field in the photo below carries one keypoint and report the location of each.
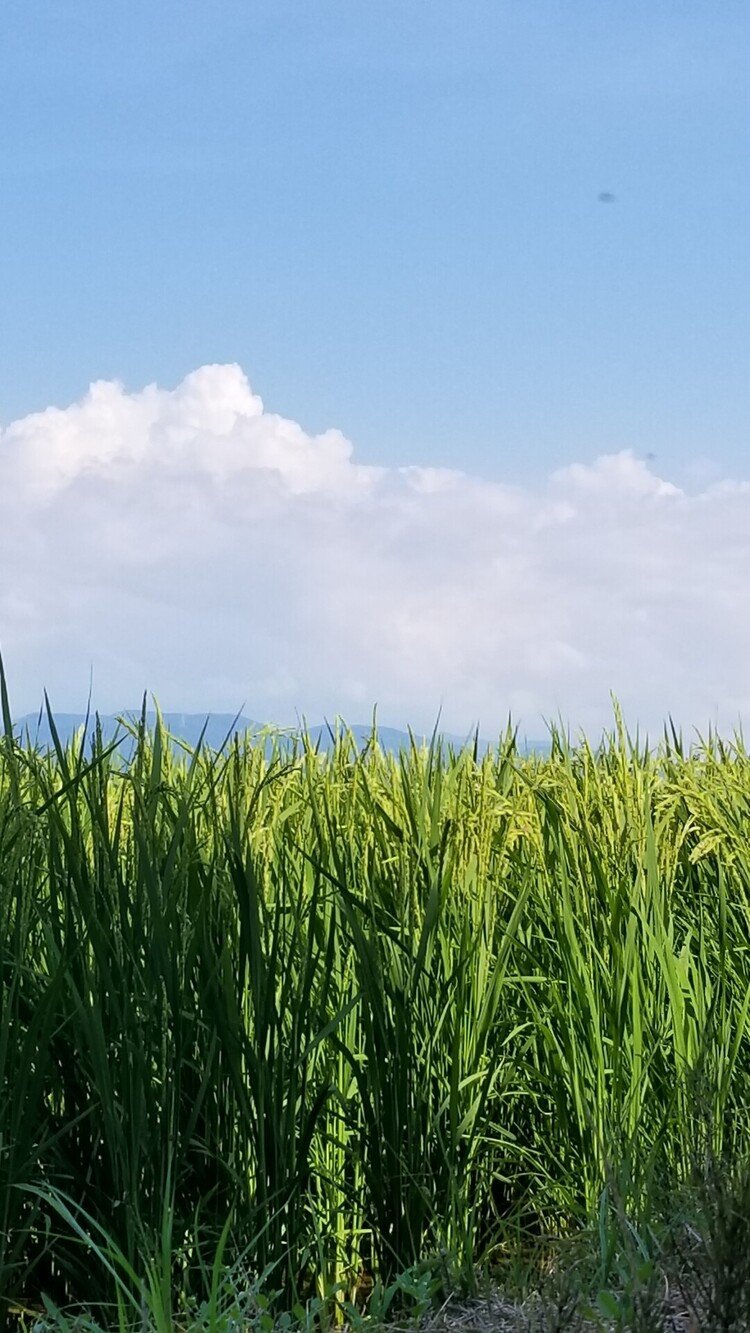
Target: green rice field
(313, 1032)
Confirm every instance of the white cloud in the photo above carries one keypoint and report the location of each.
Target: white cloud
(193, 544)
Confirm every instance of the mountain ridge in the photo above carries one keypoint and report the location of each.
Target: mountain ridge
(219, 727)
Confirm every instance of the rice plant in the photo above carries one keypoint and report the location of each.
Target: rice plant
(336, 1018)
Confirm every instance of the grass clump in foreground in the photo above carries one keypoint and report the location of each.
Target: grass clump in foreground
(288, 1038)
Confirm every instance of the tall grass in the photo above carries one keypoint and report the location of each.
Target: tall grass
(330, 1016)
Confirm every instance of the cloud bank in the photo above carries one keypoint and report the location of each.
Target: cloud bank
(189, 542)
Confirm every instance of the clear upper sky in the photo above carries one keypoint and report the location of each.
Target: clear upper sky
(389, 214)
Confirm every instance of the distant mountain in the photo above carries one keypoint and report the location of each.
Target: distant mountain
(219, 727)
(183, 726)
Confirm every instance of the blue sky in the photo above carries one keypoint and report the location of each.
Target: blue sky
(388, 214)
(501, 458)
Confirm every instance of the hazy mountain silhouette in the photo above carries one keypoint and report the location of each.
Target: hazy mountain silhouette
(219, 727)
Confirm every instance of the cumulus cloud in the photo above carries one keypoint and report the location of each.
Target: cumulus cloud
(189, 542)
